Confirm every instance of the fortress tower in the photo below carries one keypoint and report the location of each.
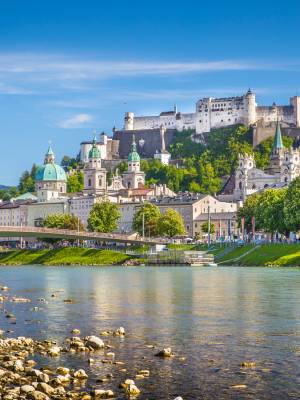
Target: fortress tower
(250, 106)
(128, 121)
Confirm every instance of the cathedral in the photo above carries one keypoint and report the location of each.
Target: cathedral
(284, 166)
(95, 181)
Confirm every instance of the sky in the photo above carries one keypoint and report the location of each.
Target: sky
(72, 67)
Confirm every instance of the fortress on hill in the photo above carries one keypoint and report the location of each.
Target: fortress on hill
(211, 113)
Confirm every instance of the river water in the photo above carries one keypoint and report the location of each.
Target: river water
(213, 318)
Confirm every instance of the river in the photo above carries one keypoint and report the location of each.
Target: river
(213, 319)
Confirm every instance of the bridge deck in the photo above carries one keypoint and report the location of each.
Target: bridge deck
(27, 231)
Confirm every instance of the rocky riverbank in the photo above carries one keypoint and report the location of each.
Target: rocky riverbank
(22, 378)
(44, 369)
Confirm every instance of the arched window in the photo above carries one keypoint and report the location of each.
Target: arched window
(240, 186)
(89, 182)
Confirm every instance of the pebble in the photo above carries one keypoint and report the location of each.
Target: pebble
(103, 394)
(167, 352)
(80, 374)
(248, 364)
(94, 342)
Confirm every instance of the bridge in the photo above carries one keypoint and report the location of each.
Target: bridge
(49, 233)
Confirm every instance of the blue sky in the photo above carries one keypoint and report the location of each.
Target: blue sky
(69, 67)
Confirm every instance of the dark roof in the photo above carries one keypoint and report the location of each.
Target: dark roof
(166, 113)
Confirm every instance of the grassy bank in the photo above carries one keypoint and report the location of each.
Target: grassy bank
(263, 255)
(64, 256)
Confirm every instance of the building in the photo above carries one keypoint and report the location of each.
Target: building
(196, 208)
(94, 174)
(133, 178)
(37, 212)
(51, 180)
(211, 113)
(108, 148)
(284, 166)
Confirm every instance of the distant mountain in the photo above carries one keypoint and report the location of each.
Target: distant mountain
(3, 187)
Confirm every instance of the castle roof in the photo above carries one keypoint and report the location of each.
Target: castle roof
(278, 144)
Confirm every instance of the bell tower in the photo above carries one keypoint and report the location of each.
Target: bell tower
(94, 174)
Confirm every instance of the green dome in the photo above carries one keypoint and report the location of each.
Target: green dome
(133, 155)
(50, 172)
(94, 152)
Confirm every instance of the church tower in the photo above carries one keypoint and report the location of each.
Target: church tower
(134, 178)
(94, 174)
(277, 153)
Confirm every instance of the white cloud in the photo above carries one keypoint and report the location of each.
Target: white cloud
(76, 121)
(54, 73)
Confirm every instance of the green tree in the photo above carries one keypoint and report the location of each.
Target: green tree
(63, 221)
(204, 227)
(150, 214)
(104, 217)
(249, 210)
(27, 180)
(262, 152)
(171, 224)
(292, 206)
(75, 182)
(269, 212)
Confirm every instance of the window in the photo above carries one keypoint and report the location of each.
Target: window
(89, 182)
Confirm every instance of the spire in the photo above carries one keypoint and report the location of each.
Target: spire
(133, 145)
(278, 144)
(49, 156)
(133, 155)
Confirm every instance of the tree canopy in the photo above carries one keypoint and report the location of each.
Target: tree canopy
(274, 210)
(75, 182)
(63, 221)
(150, 214)
(291, 208)
(171, 224)
(104, 217)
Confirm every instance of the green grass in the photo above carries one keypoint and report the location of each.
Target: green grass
(64, 256)
(274, 254)
(265, 255)
(235, 252)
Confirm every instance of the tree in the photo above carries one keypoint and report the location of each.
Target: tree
(249, 210)
(204, 227)
(63, 221)
(292, 206)
(269, 212)
(104, 217)
(75, 182)
(171, 224)
(150, 214)
(27, 180)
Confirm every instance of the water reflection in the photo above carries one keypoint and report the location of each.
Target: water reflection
(213, 318)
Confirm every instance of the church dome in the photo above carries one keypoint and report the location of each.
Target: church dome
(50, 172)
(133, 156)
